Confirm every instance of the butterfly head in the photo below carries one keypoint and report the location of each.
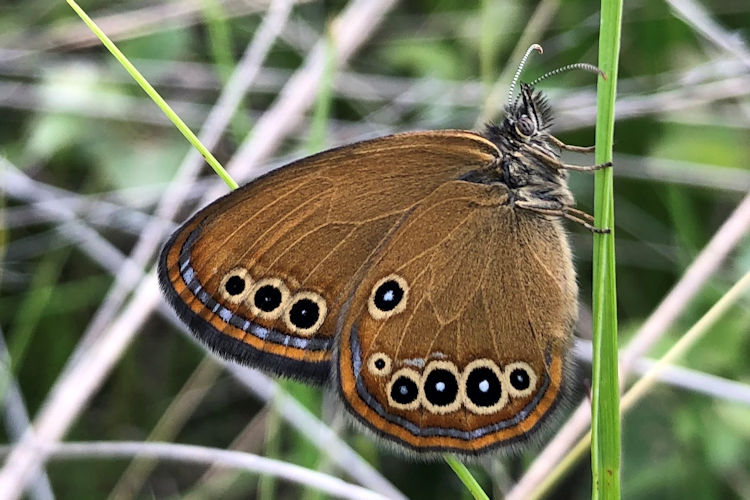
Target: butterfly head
(529, 116)
(526, 125)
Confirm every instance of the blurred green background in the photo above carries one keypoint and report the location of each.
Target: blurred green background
(77, 133)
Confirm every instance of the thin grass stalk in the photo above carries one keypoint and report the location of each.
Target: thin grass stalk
(29, 313)
(605, 413)
(650, 378)
(154, 95)
(465, 476)
(171, 422)
(324, 99)
(219, 33)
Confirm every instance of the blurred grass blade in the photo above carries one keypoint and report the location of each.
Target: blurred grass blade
(605, 416)
(465, 476)
(323, 100)
(181, 126)
(220, 43)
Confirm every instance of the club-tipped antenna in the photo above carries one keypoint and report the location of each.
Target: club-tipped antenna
(583, 66)
(512, 90)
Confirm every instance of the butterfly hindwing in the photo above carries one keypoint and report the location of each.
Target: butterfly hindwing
(455, 337)
(261, 274)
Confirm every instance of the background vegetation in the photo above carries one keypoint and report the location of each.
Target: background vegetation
(89, 164)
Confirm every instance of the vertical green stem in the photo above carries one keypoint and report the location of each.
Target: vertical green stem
(605, 441)
(465, 476)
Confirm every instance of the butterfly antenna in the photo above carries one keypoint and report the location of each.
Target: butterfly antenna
(512, 90)
(583, 66)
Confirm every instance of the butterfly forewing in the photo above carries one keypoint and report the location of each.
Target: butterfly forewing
(261, 274)
(455, 338)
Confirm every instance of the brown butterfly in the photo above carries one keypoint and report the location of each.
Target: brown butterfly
(426, 277)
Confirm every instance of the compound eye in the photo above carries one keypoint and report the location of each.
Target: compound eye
(525, 127)
(521, 379)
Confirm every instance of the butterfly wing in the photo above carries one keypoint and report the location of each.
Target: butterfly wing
(260, 275)
(456, 338)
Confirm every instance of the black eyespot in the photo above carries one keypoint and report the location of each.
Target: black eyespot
(525, 126)
(304, 313)
(483, 387)
(441, 387)
(404, 390)
(235, 285)
(388, 295)
(267, 298)
(519, 379)
(379, 364)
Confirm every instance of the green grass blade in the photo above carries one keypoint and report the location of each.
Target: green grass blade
(219, 35)
(605, 442)
(465, 476)
(151, 91)
(650, 378)
(324, 99)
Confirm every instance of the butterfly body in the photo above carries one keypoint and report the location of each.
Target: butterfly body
(425, 276)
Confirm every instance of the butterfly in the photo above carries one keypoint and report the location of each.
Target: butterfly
(424, 277)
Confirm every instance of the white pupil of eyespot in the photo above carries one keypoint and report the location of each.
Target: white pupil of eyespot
(403, 390)
(440, 386)
(484, 386)
(388, 296)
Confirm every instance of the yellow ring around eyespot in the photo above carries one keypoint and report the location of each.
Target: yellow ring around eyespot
(322, 311)
(433, 408)
(515, 393)
(241, 273)
(468, 403)
(280, 286)
(379, 372)
(379, 314)
(411, 375)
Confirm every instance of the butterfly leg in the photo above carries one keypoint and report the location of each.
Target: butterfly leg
(568, 147)
(586, 168)
(553, 162)
(559, 210)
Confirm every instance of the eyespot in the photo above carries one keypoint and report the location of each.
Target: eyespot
(388, 297)
(268, 297)
(482, 388)
(305, 313)
(403, 389)
(439, 387)
(520, 379)
(525, 127)
(235, 285)
(379, 364)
